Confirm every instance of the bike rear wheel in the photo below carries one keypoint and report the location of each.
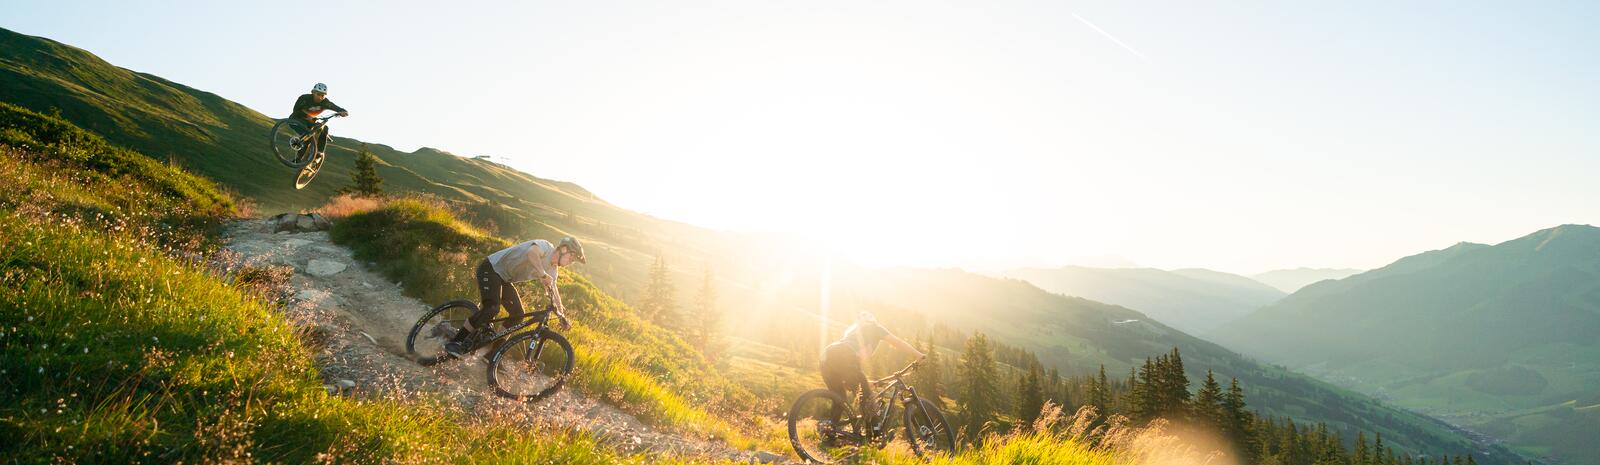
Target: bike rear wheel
(426, 340)
(287, 145)
(927, 430)
(309, 172)
(531, 365)
(817, 434)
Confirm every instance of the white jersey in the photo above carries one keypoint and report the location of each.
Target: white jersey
(526, 261)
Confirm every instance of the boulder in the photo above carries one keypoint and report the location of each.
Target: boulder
(324, 268)
(295, 222)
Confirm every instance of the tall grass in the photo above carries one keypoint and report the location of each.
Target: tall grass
(1083, 438)
(623, 360)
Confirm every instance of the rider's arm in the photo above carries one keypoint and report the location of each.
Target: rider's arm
(334, 106)
(903, 345)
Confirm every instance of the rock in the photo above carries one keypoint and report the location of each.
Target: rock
(305, 223)
(321, 223)
(296, 242)
(324, 268)
(347, 384)
(766, 457)
(332, 390)
(312, 295)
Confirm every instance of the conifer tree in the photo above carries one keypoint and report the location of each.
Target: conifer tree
(929, 377)
(1237, 422)
(1030, 397)
(660, 297)
(365, 182)
(1207, 405)
(1100, 394)
(980, 388)
(707, 323)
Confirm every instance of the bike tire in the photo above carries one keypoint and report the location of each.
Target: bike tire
(797, 416)
(531, 340)
(280, 138)
(937, 433)
(309, 172)
(412, 340)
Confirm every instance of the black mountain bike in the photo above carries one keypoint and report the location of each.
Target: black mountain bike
(297, 146)
(524, 365)
(820, 436)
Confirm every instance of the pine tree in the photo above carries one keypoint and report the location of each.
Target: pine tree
(707, 319)
(1100, 394)
(1207, 405)
(979, 389)
(1361, 456)
(929, 377)
(1030, 398)
(1237, 423)
(365, 182)
(660, 297)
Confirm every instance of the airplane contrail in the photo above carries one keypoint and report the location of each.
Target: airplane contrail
(1112, 37)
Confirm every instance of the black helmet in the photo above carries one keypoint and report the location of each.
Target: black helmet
(571, 243)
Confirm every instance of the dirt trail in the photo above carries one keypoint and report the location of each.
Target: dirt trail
(360, 321)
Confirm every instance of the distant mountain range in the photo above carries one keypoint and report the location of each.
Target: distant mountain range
(1505, 338)
(1193, 300)
(1293, 280)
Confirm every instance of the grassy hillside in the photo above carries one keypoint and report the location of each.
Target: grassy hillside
(117, 347)
(1500, 336)
(1192, 300)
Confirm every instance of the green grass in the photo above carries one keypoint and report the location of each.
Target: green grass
(623, 360)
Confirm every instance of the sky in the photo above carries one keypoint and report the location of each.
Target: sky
(1242, 137)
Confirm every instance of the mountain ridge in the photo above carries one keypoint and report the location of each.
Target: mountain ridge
(1478, 333)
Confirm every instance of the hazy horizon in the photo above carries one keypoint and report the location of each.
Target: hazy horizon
(1240, 138)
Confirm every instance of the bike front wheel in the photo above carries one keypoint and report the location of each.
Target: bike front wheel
(309, 172)
(819, 427)
(927, 430)
(287, 144)
(427, 338)
(531, 365)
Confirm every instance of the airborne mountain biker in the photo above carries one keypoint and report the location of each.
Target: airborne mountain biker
(308, 106)
(535, 259)
(842, 361)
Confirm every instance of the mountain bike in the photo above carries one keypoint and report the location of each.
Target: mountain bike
(523, 365)
(297, 146)
(823, 427)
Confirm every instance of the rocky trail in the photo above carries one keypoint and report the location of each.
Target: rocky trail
(357, 323)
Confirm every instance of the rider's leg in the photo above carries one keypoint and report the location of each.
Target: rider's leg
(513, 304)
(834, 376)
(489, 284)
(858, 380)
(322, 140)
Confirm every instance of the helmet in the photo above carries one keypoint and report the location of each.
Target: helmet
(320, 88)
(571, 243)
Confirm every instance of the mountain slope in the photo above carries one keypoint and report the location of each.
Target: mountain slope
(1489, 335)
(1193, 300)
(1293, 280)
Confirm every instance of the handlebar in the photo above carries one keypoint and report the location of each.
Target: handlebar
(901, 373)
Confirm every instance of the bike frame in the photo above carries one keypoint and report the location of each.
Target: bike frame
(896, 390)
(540, 319)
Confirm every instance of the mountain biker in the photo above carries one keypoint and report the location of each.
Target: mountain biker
(308, 106)
(842, 361)
(518, 263)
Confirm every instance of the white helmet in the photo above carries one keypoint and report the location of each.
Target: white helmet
(320, 88)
